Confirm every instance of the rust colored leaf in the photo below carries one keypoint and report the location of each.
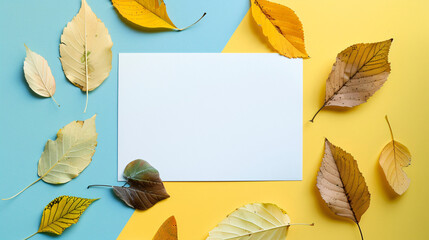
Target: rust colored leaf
(168, 230)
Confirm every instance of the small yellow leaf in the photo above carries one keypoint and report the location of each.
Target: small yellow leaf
(393, 158)
(359, 71)
(281, 26)
(61, 213)
(168, 230)
(146, 13)
(38, 75)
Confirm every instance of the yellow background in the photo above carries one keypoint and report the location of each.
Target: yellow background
(329, 27)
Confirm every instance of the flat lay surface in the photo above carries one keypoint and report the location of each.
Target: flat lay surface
(331, 26)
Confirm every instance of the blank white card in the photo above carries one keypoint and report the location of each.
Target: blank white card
(211, 116)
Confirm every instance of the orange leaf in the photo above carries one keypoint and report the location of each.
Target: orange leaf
(168, 230)
(281, 26)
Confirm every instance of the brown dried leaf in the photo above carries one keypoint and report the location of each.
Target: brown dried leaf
(145, 186)
(393, 158)
(359, 71)
(341, 184)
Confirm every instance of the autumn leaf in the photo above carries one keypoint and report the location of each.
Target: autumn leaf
(342, 185)
(86, 51)
(67, 156)
(168, 230)
(393, 158)
(61, 213)
(145, 186)
(147, 13)
(253, 222)
(38, 75)
(359, 71)
(281, 26)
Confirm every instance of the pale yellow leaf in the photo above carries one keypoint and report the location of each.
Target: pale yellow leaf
(253, 222)
(67, 156)
(281, 26)
(61, 213)
(38, 75)
(146, 13)
(393, 158)
(359, 71)
(342, 185)
(86, 50)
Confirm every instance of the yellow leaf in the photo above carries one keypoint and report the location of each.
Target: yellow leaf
(359, 71)
(146, 13)
(252, 222)
(38, 75)
(67, 156)
(168, 230)
(342, 185)
(281, 26)
(86, 51)
(61, 213)
(393, 158)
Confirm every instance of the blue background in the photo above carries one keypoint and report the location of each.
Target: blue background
(28, 121)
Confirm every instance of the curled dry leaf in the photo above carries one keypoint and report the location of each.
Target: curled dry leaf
(67, 156)
(281, 26)
(86, 51)
(61, 213)
(147, 13)
(342, 185)
(359, 71)
(168, 230)
(253, 222)
(38, 75)
(145, 186)
(393, 158)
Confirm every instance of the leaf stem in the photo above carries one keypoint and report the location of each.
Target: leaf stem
(318, 112)
(31, 235)
(99, 185)
(22, 190)
(360, 230)
(181, 29)
(55, 101)
(86, 61)
(390, 128)
(305, 224)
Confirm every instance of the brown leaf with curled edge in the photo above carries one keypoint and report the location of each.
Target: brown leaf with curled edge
(342, 185)
(393, 158)
(145, 186)
(359, 71)
(168, 230)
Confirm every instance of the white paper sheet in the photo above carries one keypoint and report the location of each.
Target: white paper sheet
(211, 116)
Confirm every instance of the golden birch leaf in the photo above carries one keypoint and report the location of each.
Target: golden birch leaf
(67, 156)
(359, 71)
(253, 221)
(61, 213)
(168, 230)
(393, 158)
(147, 13)
(86, 51)
(281, 26)
(342, 185)
(38, 75)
